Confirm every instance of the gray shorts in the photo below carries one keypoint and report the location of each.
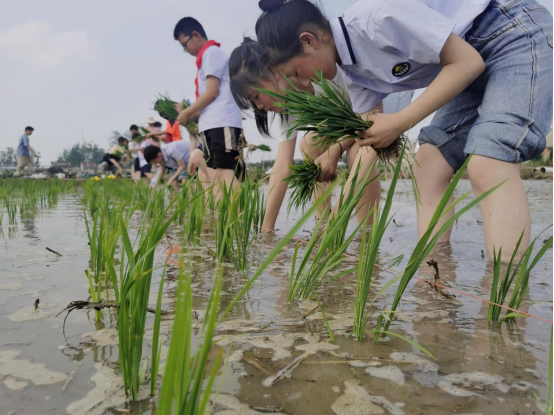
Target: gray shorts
(506, 113)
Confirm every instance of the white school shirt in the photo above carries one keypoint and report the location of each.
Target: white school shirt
(175, 151)
(132, 146)
(223, 111)
(388, 46)
(391, 104)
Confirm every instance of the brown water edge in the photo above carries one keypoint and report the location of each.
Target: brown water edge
(499, 371)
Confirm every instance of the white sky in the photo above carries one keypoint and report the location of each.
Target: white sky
(98, 65)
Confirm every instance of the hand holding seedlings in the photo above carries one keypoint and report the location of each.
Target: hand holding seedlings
(385, 130)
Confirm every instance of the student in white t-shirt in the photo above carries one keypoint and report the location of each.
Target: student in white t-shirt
(486, 66)
(220, 118)
(248, 67)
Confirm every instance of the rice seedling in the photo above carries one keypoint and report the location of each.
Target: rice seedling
(369, 249)
(327, 114)
(549, 401)
(193, 227)
(156, 344)
(428, 241)
(135, 274)
(185, 370)
(186, 385)
(303, 183)
(517, 274)
(327, 253)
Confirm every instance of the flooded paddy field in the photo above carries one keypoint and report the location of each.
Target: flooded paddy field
(478, 368)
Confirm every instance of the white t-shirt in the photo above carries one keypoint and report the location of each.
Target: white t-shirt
(388, 46)
(391, 104)
(223, 111)
(175, 151)
(132, 146)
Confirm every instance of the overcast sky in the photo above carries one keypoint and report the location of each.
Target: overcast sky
(96, 66)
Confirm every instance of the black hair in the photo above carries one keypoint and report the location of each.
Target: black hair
(248, 63)
(133, 127)
(121, 140)
(151, 152)
(29, 128)
(186, 26)
(281, 23)
(157, 124)
(136, 135)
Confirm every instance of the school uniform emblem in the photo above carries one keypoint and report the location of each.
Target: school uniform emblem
(400, 69)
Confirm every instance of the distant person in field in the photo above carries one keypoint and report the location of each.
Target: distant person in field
(134, 149)
(25, 153)
(172, 130)
(110, 161)
(174, 155)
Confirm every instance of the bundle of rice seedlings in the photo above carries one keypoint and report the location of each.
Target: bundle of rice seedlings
(166, 107)
(303, 182)
(328, 115)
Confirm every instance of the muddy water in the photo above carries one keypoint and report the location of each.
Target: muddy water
(478, 369)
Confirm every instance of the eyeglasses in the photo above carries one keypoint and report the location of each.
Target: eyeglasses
(185, 45)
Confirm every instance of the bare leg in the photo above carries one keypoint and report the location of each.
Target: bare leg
(365, 157)
(205, 174)
(432, 174)
(505, 212)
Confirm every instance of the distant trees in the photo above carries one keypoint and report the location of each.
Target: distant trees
(8, 157)
(78, 153)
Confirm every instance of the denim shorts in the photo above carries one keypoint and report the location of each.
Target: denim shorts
(506, 113)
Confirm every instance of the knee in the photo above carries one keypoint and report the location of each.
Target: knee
(481, 173)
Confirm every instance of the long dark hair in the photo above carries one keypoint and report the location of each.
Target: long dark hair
(247, 65)
(281, 23)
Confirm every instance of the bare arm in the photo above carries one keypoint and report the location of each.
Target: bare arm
(330, 158)
(277, 187)
(461, 63)
(182, 167)
(209, 96)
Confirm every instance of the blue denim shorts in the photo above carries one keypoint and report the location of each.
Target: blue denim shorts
(506, 113)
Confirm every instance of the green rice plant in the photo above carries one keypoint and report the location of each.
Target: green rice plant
(156, 344)
(186, 385)
(11, 209)
(369, 249)
(303, 183)
(247, 208)
(227, 211)
(185, 370)
(429, 239)
(549, 401)
(327, 114)
(517, 274)
(196, 213)
(328, 247)
(278, 248)
(135, 274)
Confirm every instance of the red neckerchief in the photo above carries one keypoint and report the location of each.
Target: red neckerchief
(199, 59)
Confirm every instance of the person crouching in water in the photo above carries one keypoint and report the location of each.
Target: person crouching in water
(175, 155)
(110, 161)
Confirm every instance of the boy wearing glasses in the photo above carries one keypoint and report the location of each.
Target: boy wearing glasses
(220, 117)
